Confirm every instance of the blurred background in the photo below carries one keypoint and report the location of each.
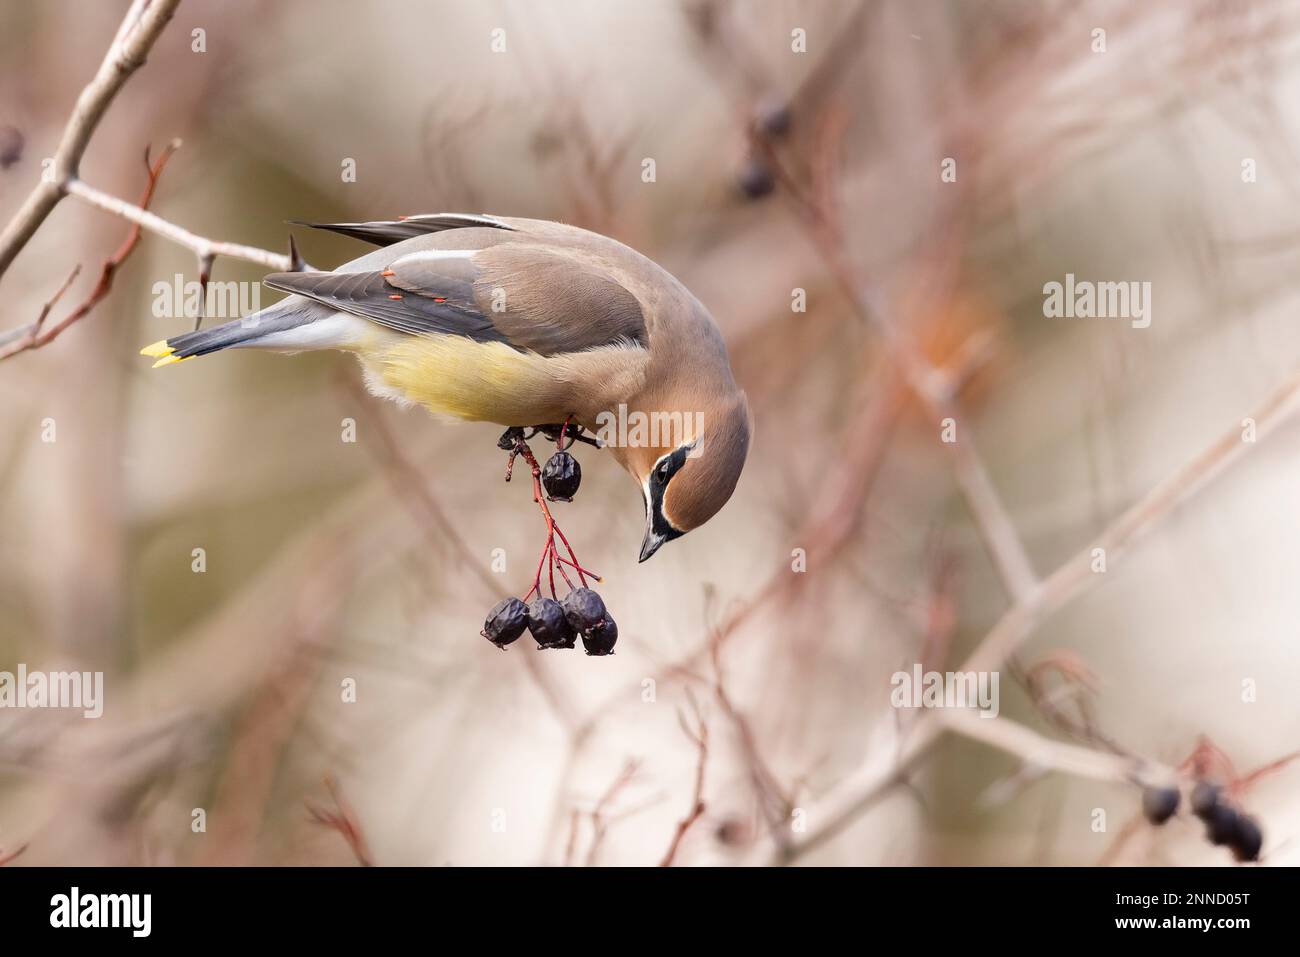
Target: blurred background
(331, 565)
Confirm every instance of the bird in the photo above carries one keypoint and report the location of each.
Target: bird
(522, 322)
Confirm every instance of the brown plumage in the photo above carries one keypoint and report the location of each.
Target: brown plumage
(526, 322)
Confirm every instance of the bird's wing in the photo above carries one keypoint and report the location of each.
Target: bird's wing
(388, 232)
(537, 298)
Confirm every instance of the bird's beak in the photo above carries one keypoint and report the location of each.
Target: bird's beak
(650, 544)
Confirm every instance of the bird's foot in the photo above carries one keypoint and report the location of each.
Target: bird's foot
(554, 432)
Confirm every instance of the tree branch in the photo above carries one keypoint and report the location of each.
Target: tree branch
(140, 29)
(206, 249)
(32, 336)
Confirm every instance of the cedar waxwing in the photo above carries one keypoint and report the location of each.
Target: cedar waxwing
(524, 322)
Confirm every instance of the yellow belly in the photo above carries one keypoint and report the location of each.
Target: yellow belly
(479, 381)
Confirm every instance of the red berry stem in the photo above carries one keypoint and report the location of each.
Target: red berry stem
(551, 557)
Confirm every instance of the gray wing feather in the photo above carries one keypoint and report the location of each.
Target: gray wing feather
(388, 232)
(528, 296)
(370, 296)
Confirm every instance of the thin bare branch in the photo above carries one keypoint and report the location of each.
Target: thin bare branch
(201, 246)
(7, 856)
(700, 736)
(342, 818)
(140, 29)
(36, 335)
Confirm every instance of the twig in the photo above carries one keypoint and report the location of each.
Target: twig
(140, 29)
(551, 558)
(571, 846)
(25, 337)
(201, 246)
(7, 856)
(1040, 752)
(599, 818)
(342, 818)
(773, 801)
(36, 335)
(700, 736)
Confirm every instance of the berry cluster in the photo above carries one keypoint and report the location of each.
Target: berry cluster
(555, 624)
(1225, 825)
(551, 622)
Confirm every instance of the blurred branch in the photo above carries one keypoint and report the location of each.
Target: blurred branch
(1075, 576)
(936, 388)
(600, 819)
(1032, 598)
(1040, 752)
(7, 856)
(700, 736)
(1076, 685)
(773, 801)
(263, 731)
(342, 818)
(1070, 580)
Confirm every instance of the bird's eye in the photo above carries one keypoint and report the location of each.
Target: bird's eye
(661, 471)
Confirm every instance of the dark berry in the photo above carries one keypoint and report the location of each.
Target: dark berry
(734, 832)
(1248, 839)
(1222, 824)
(11, 146)
(773, 119)
(506, 622)
(1205, 798)
(1159, 804)
(548, 626)
(584, 609)
(600, 639)
(561, 477)
(755, 179)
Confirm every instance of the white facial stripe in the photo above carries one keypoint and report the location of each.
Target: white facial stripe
(645, 487)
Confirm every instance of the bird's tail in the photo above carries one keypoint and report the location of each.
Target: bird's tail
(265, 329)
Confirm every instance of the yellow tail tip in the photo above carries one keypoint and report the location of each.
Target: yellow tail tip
(157, 350)
(168, 360)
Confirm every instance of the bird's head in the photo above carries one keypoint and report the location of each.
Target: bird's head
(687, 483)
